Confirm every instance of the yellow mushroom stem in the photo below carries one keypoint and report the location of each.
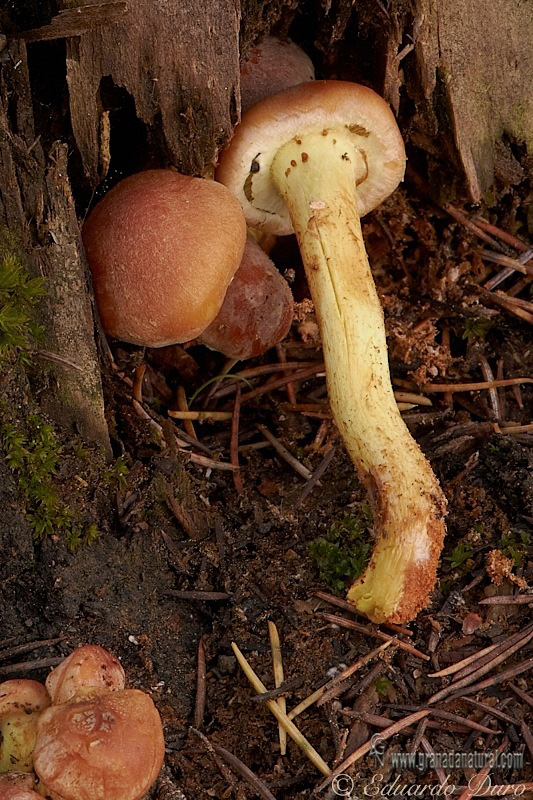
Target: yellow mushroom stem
(317, 176)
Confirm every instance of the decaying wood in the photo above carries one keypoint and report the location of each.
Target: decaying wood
(180, 64)
(36, 204)
(474, 70)
(76, 21)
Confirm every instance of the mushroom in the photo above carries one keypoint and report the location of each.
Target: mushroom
(21, 702)
(314, 159)
(108, 746)
(257, 311)
(272, 66)
(163, 249)
(17, 786)
(89, 666)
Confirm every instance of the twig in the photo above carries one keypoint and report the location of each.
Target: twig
(245, 772)
(284, 453)
(387, 733)
(507, 599)
(234, 443)
(202, 416)
(514, 264)
(290, 390)
(494, 712)
(471, 226)
(289, 726)
(198, 595)
(335, 687)
(183, 406)
(137, 388)
(283, 689)
(214, 755)
(521, 694)
(333, 600)
(277, 384)
(355, 626)
(508, 303)
(315, 477)
(20, 649)
(478, 780)
(277, 665)
(513, 430)
(528, 738)
(462, 387)
(471, 673)
(441, 775)
(493, 394)
(29, 666)
(504, 236)
(463, 663)
(524, 666)
(201, 686)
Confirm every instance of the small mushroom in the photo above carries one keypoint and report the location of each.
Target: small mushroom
(163, 249)
(272, 66)
(21, 703)
(87, 667)
(313, 159)
(17, 786)
(107, 747)
(257, 311)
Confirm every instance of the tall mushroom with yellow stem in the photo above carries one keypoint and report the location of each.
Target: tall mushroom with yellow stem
(313, 159)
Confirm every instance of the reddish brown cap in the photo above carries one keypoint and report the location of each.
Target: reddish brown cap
(108, 748)
(17, 786)
(257, 311)
(271, 67)
(316, 107)
(163, 249)
(87, 667)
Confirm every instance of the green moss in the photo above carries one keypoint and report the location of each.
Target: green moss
(476, 329)
(515, 545)
(460, 555)
(342, 554)
(33, 454)
(19, 294)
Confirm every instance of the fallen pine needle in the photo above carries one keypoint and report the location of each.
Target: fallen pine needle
(385, 734)
(343, 622)
(507, 599)
(289, 726)
(307, 702)
(477, 781)
(332, 688)
(277, 664)
(201, 416)
(463, 663)
(462, 387)
(284, 453)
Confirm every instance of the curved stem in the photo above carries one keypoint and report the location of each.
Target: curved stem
(317, 176)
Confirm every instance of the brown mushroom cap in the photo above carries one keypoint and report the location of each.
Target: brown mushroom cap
(163, 249)
(21, 702)
(271, 67)
(17, 786)
(89, 666)
(315, 107)
(110, 747)
(257, 311)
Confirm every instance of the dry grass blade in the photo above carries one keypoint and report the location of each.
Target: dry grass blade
(289, 726)
(387, 733)
(495, 659)
(284, 453)
(342, 622)
(277, 666)
(334, 687)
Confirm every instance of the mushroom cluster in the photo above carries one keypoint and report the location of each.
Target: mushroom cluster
(312, 160)
(170, 263)
(86, 736)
